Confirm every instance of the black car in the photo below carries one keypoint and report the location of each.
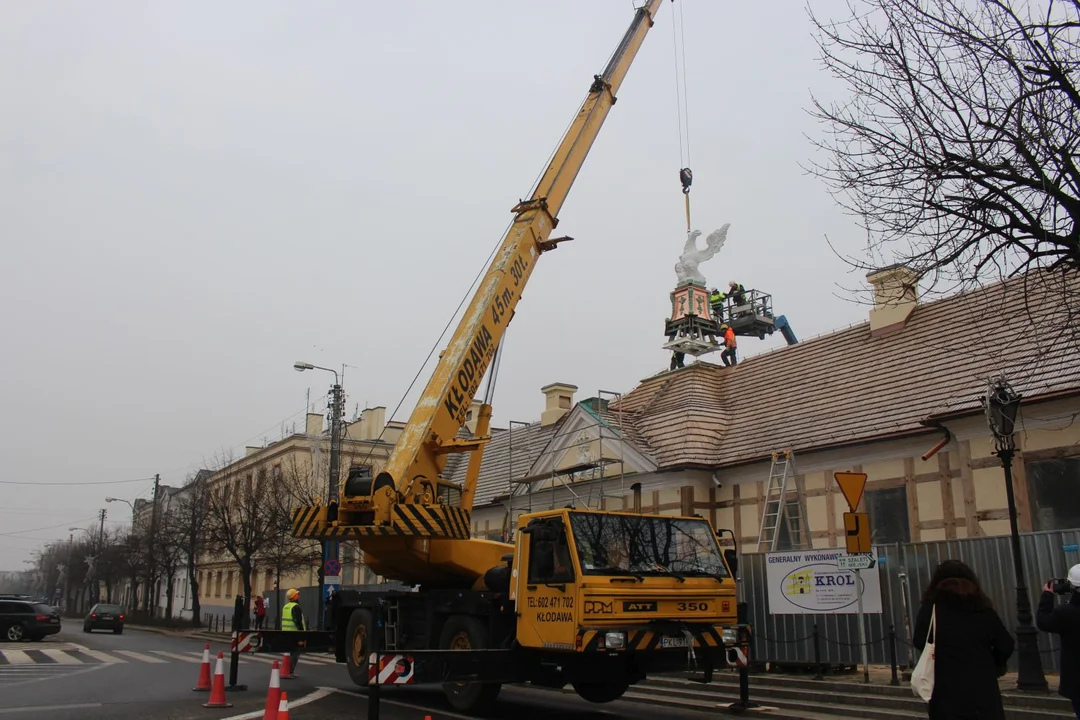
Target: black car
(25, 620)
(105, 617)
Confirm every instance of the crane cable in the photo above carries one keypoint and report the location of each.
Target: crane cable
(686, 176)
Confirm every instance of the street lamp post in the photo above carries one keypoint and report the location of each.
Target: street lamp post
(330, 550)
(67, 577)
(1001, 404)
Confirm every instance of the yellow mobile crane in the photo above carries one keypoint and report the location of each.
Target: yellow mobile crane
(593, 599)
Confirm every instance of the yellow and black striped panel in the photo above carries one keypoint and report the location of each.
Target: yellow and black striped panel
(305, 521)
(431, 521)
(648, 640)
(343, 532)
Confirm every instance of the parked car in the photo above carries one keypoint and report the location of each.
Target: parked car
(104, 617)
(25, 620)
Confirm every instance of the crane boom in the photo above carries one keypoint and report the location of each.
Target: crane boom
(408, 498)
(441, 411)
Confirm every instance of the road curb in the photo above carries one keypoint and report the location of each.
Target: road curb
(163, 631)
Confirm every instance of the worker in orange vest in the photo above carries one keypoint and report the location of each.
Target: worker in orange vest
(728, 356)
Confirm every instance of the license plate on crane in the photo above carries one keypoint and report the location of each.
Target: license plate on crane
(673, 642)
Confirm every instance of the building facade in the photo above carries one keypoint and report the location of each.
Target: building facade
(300, 459)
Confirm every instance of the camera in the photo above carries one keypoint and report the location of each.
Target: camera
(1060, 586)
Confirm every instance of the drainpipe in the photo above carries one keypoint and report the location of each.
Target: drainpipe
(942, 443)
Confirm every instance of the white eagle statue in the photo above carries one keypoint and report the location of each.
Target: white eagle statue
(692, 256)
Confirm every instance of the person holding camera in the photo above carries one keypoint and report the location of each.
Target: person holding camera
(1064, 620)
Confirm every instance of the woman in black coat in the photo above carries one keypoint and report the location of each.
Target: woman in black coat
(971, 645)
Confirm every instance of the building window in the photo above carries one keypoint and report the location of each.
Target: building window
(888, 512)
(549, 558)
(1055, 502)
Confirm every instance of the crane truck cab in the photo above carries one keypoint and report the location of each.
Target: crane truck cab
(594, 599)
(612, 597)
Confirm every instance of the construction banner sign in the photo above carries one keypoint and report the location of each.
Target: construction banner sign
(809, 582)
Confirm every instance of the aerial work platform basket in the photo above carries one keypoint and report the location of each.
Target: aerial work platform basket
(694, 326)
(754, 317)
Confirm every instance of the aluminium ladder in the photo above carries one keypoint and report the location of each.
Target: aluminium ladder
(780, 509)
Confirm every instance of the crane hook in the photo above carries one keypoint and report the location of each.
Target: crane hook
(686, 177)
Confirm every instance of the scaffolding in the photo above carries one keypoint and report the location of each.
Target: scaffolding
(570, 478)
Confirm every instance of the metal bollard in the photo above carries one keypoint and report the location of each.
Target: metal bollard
(234, 656)
(819, 674)
(373, 694)
(744, 702)
(892, 655)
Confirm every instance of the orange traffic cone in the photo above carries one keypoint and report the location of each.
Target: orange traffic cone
(204, 670)
(286, 670)
(217, 691)
(273, 694)
(283, 707)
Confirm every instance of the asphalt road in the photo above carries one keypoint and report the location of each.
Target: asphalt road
(137, 675)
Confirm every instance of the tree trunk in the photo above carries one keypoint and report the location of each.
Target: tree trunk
(150, 590)
(277, 597)
(245, 573)
(196, 609)
(169, 598)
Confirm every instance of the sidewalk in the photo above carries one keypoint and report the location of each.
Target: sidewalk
(882, 675)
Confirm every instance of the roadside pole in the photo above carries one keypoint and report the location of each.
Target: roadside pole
(857, 541)
(234, 657)
(862, 628)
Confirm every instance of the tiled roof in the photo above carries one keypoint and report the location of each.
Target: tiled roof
(849, 387)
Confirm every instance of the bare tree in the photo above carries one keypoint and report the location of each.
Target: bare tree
(241, 520)
(187, 518)
(112, 564)
(291, 486)
(957, 144)
(171, 546)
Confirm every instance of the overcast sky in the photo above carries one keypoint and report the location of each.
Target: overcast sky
(195, 195)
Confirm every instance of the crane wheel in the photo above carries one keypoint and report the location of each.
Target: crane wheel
(358, 646)
(462, 632)
(601, 692)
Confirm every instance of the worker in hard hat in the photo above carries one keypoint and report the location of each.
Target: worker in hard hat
(716, 303)
(292, 619)
(728, 356)
(677, 359)
(737, 293)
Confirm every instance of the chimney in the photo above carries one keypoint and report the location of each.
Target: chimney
(314, 424)
(372, 421)
(472, 415)
(560, 398)
(895, 298)
(251, 450)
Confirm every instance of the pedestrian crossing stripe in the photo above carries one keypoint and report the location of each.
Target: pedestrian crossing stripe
(11, 659)
(139, 656)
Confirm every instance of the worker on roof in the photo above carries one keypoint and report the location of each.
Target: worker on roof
(737, 293)
(677, 359)
(729, 346)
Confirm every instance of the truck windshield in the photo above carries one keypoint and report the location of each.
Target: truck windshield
(642, 545)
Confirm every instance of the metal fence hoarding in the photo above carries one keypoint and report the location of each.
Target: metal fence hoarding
(903, 572)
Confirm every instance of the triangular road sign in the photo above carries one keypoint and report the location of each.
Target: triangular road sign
(851, 484)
